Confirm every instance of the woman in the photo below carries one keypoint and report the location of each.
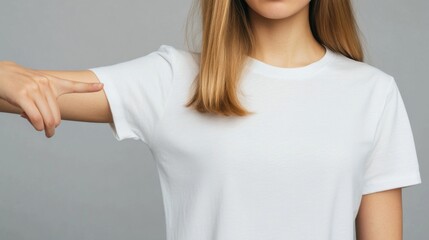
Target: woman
(277, 129)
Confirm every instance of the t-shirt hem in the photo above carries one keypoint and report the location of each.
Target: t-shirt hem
(118, 126)
(396, 182)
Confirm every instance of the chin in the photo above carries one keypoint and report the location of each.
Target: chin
(277, 9)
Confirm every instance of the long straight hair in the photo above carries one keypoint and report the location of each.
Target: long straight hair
(227, 39)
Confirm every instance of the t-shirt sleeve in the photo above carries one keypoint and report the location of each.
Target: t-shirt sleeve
(137, 91)
(393, 161)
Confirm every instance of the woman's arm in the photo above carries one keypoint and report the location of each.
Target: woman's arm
(85, 107)
(48, 96)
(380, 216)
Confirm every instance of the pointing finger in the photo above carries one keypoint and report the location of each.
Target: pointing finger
(68, 86)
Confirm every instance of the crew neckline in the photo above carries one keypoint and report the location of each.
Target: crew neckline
(303, 72)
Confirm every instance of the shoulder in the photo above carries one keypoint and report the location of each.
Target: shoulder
(362, 71)
(364, 79)
(181, 59)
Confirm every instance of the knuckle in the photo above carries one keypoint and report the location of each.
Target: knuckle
(41, 79)
(50, 123)
(37, 121)
(72, 87)
(32, 87)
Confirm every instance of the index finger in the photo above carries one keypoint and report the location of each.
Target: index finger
(68, 86)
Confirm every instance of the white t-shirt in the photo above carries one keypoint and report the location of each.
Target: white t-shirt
(322, 136)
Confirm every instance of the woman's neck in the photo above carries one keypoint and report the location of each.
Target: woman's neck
(286, 42)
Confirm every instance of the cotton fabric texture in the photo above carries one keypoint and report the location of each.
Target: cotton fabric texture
(322, 136)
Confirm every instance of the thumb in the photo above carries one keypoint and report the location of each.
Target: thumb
(65, 86)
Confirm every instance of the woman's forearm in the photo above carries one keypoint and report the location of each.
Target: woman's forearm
(8, 108)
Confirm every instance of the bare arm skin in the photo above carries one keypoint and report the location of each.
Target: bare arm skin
(380, 216)
(45, 97)
(9, 108)
(85, 107)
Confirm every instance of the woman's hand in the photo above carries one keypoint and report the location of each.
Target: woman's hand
(36, 94)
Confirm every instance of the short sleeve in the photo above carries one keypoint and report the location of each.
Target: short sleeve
(137, 91)
(393, 161)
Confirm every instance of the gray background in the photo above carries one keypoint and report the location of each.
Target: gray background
(82, 183)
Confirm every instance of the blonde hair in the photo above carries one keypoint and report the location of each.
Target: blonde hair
(227, 39)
